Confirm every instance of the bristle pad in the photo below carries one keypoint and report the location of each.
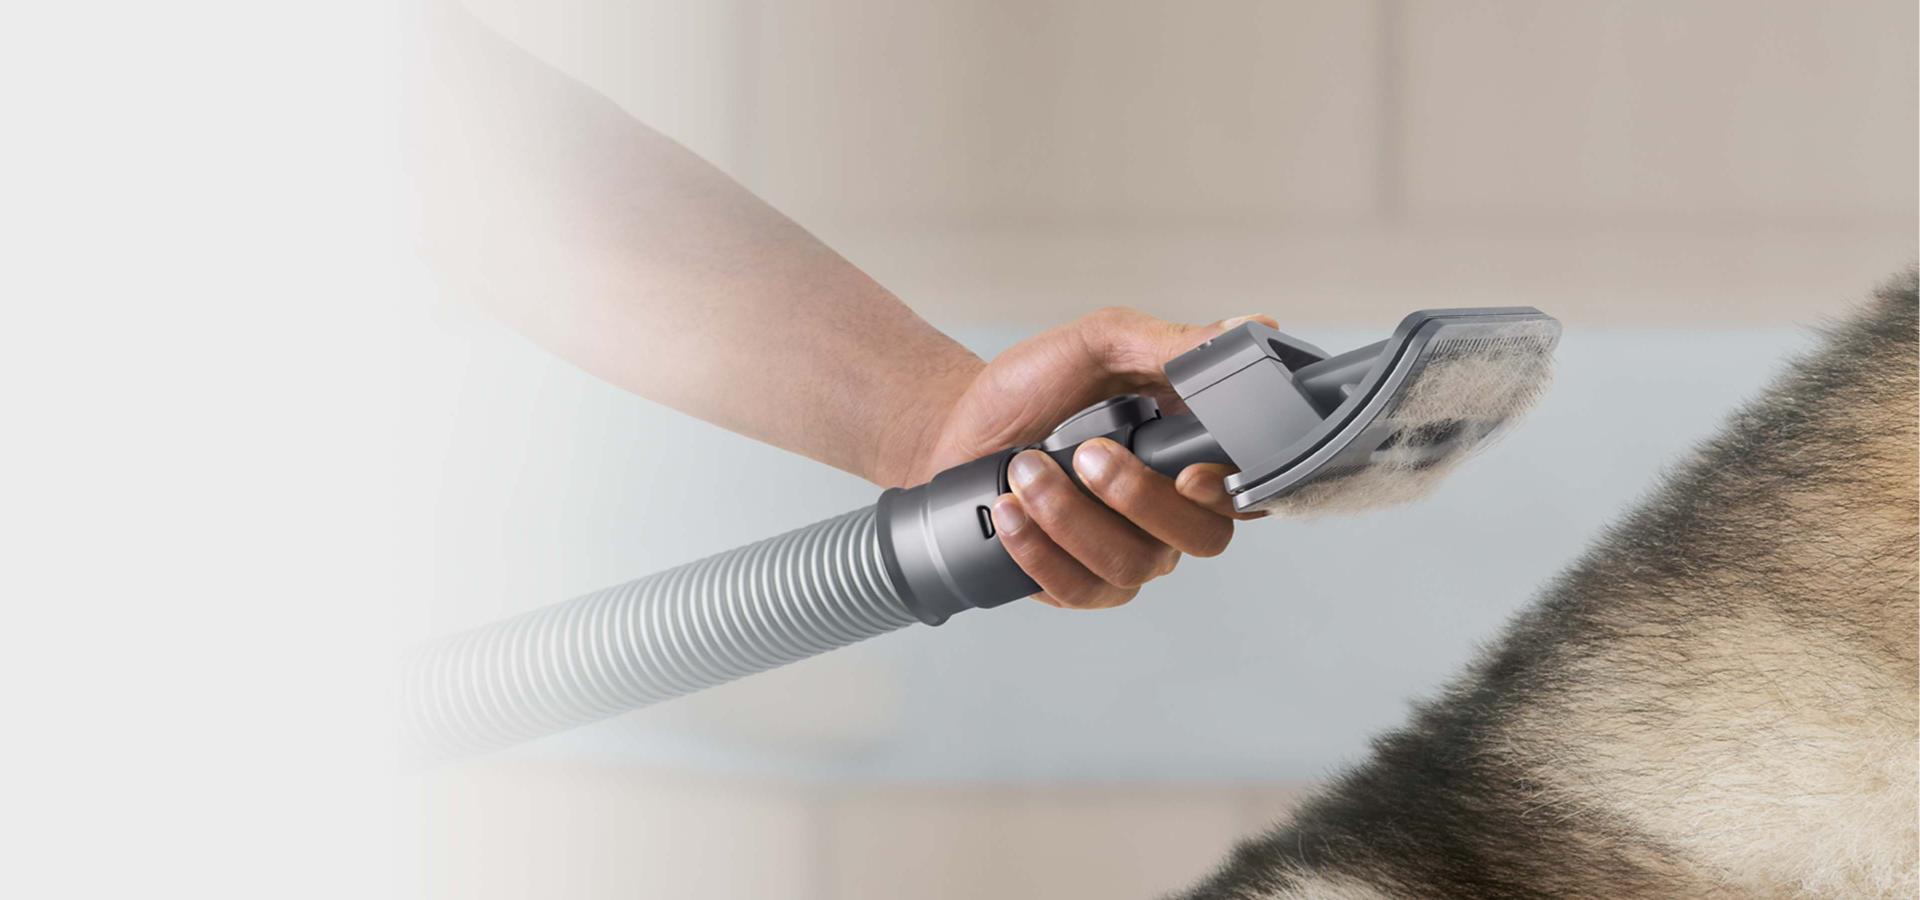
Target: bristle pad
(1453, 405)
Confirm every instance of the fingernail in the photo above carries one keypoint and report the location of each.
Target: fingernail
(1199, 482)
(1093, 460)
(1237, 321)
(1008, 517)
(1025, 468)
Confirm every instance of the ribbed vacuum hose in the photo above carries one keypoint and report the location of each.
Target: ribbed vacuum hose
(674, 632)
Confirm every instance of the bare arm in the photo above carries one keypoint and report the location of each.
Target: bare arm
(622, 251)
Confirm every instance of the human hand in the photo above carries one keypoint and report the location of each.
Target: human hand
(1083, 554)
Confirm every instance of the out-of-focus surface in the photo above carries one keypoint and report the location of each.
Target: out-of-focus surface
(1686, 184)
(1699, 163)
(504, 830)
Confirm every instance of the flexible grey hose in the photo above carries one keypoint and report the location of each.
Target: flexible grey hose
(747, 610)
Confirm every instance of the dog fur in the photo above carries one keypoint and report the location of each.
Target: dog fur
(1718, 700)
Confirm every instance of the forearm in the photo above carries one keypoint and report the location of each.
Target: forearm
(627, 254)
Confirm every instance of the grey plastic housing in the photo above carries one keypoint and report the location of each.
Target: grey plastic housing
(1276, 407)
(938, 539)
(1359, 386)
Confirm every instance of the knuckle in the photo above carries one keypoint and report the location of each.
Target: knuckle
(1125, 487)
(1108, 332)
(1080, 597)
(1205, 479)
(1214, 541)
(1046, 502)
(1132, 570)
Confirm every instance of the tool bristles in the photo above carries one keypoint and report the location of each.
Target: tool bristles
(1456, 402)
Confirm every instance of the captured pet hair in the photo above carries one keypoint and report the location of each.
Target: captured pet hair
(1718, 700)
(1453, 405)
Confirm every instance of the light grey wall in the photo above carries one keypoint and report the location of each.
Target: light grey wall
(1274, 662)
(1690, 161)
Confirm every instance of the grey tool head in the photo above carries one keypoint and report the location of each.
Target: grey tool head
(1375, 426)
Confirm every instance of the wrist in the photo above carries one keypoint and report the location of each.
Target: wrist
(906, 449)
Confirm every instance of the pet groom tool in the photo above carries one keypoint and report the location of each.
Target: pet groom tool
(1309, 432)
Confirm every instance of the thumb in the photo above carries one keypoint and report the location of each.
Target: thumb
(1026, 391)
(1130, 343)
(1141, 346)
(1209, 332)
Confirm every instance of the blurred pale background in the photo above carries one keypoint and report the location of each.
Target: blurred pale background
(1686, 184)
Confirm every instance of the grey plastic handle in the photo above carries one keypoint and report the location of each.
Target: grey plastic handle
(938, 539)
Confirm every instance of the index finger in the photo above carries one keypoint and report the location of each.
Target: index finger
(1205, 484)
(1150, 500)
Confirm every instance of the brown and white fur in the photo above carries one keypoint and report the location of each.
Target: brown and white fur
(1718, 700)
